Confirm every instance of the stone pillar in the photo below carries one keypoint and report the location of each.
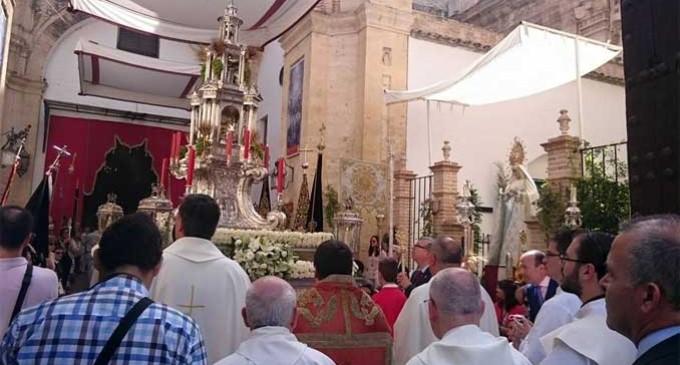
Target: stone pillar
(564, 158)
(402, 199)
(564, 169)
(445, 196)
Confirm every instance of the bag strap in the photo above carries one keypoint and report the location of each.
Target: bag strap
(119, 333)
(25, 282)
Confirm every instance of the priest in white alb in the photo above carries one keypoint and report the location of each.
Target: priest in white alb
(412, 331)
(271, 313)
(455, 307)
(198, 280)
(587, 340)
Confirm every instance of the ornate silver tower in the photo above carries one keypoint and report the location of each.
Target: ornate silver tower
(223, 112)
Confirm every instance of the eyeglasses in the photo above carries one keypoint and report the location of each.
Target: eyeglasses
(564, 258)
(420, 246)
(552, 254)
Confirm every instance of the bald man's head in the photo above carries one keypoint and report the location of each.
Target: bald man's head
(271, 301)
(447, 253)
(455, 300)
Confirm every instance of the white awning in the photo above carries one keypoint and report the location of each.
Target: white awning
(115, 74)
(196, 20)
(530, 60)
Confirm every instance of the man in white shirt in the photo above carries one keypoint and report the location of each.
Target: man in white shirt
(455, 308)
(587, 340)
(555, 313)
(198, 280)
(270, 313)
(412, 332)
(16, 225)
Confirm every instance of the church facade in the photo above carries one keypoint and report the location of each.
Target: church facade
(348, 52)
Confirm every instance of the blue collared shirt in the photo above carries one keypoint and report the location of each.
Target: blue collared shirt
(74, 329)
(656, 338)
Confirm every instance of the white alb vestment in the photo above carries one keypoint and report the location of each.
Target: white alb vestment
(469, 345)
(198, 280)
(412, 331)
(587, 340)
(275, 345)
(555, 313)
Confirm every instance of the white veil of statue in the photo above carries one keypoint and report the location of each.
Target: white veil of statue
(517, 204)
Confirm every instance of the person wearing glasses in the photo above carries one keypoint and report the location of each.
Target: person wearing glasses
(643, 288)
(555, 312)
(423, 257)
(412, 331)
(22, 284)
(587, 340)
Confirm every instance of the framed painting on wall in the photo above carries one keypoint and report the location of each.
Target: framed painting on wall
(295, 89)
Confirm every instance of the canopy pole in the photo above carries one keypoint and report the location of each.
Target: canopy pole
(429, 136)
(579, 91)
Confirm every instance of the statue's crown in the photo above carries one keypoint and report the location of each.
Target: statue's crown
(517, 154)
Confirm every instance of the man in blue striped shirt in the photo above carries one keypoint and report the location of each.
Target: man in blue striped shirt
(75, 329)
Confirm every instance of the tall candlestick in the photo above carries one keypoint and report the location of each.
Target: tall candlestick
(266, 156)
(190, 165)
(280, 176)
(246, 144)
(230, 144)
(173, 145)
(572, 189)
(164, 174)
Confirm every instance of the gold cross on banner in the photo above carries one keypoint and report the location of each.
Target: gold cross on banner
(191, 305)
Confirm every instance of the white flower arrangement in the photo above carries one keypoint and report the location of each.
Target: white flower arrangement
(287, 239)
(260, 257)
(302, 270)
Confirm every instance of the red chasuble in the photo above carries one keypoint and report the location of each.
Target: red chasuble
(343, 322)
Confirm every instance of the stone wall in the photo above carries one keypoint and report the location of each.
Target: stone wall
(597, 19)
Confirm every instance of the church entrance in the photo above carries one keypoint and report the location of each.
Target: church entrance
(108, 157)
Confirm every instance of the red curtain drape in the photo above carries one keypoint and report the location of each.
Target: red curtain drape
(91, 140)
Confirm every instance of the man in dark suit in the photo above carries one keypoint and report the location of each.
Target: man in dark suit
(421, 275)
(643, 288)
(541, 287)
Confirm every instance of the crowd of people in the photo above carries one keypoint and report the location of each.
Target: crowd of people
(589, 298)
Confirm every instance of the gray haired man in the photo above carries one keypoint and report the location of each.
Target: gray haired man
(455, 308)
(270, 313)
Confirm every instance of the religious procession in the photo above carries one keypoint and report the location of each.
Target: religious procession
(350, 182)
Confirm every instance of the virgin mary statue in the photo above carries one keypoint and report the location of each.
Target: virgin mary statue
(516, 205)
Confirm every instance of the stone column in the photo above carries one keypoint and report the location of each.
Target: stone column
(564, 158)
(445, 196)
(402, 199)
(564, 169)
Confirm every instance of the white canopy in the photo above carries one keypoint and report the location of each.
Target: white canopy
(196, 20)
(115, 74)
(531, 59)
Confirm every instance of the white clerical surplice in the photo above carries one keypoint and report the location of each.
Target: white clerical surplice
(198, 280)
(412, 331)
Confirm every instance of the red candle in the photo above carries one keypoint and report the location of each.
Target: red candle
(190, 165)
(266, 157)
(280, 176)
(173, 146)
(230, 143)
(178, 143)
(164, 174)
(246, 144)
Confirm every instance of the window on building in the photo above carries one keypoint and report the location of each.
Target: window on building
(138, 42)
